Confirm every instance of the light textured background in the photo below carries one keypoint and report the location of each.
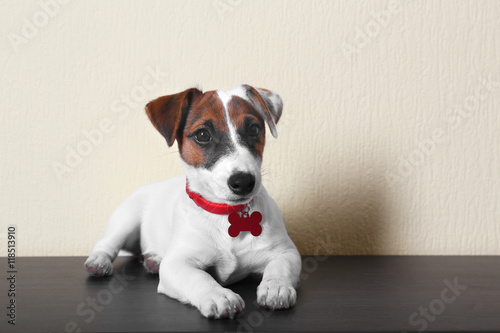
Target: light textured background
(389, 141)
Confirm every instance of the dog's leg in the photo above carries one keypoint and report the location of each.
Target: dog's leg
(181, 279)
(123, 225)
(280, 278)
(153, 246)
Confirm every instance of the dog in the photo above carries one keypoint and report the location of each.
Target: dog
(217, 223)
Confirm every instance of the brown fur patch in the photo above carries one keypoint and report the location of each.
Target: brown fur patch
(168, 113)
(242, 113)
(207, 109)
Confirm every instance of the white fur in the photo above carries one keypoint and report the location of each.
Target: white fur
(188, 241)
(225, 97)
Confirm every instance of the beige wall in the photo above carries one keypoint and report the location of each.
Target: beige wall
(389, 141)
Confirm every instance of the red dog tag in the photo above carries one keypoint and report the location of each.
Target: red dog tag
(245, 222)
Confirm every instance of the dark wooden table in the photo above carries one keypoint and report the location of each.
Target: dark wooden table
(355, 294)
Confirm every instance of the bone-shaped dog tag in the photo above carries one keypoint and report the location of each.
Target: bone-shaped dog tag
(245, 222)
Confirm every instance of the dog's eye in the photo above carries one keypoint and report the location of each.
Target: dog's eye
(254, 130)
(202, 136)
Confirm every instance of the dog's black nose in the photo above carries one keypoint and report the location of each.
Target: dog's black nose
(241, 183)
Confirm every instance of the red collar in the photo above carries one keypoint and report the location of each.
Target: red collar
(213, 207)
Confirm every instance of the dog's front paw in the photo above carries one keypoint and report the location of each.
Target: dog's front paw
(275, 295)
(221, 303)
(99, 265)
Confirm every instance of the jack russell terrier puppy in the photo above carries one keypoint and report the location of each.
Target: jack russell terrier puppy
(216, 224)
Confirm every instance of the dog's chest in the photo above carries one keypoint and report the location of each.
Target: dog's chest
(234, 260)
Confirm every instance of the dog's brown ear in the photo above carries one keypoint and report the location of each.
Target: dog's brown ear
(168, 113)
(269, 104)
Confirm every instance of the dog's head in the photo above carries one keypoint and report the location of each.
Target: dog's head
(221, 137)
